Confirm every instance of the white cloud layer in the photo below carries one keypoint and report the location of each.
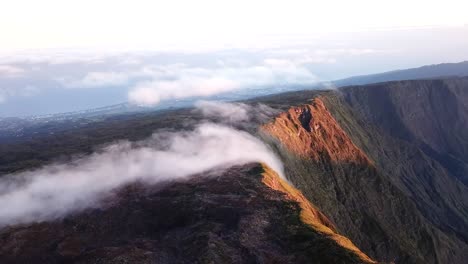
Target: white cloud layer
(97, 79)
(232, 112)
(56, 190)
(235, 113)
(10, 71)
(178, 82)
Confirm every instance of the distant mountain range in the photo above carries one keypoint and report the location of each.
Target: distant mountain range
(424, 72)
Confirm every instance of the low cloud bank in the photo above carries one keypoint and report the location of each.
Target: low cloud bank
(56, 190)
(178, 82)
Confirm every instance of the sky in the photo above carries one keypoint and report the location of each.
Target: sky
(61, 56)
(126, 24)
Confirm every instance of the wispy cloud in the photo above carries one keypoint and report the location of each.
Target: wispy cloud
(235, 113)
(306, 56)
(149, 78)
(57, 57)
(97, 79)
(57, 190)
(10, 71)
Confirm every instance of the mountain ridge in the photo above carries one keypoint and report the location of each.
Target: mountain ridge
(395, 190)
(434, 71)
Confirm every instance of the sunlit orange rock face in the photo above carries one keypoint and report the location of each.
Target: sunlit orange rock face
(310, 131)
(309, 214)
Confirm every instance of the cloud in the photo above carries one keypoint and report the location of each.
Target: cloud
(185, 82)
(148, 78)
(235, 113)
(10, 71)
(231, 112)
(314, 56)
(151, 93)
(98, 79)
(130, 73)
(56, 190)
(57, 57)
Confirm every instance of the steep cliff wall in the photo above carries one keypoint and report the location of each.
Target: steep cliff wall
(415, 131)
(310, 214)
(335, 174)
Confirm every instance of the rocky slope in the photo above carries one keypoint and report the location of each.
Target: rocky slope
(229, 216)
(424, 72)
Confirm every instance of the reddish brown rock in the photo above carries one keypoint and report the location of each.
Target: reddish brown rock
(310, 131)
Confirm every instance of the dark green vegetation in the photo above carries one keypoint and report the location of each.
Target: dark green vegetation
(226, 217)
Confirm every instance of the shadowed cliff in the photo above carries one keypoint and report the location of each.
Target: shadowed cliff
(394, 199)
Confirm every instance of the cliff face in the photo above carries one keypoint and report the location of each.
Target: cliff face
(430, 114)
(329, 154)
(310, 214)
(415, 131)
(311, 132)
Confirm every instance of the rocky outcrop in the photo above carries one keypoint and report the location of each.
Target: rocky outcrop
(311, 132)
